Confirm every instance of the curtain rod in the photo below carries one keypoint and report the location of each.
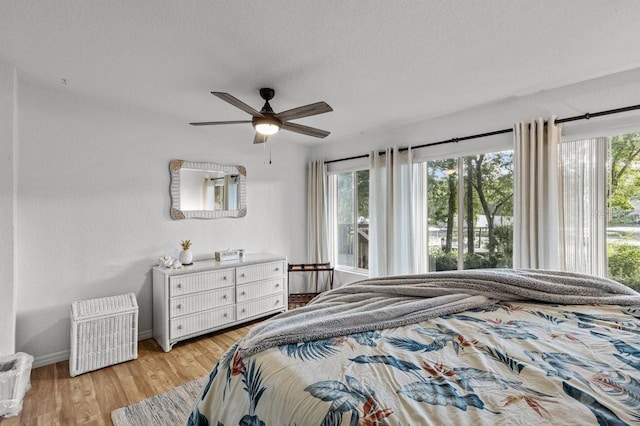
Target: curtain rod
(586, 116)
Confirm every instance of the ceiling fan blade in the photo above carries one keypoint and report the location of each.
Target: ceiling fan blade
(260, 138)
(304, 111)
(237, 103)
(305, 130)
(211, 123)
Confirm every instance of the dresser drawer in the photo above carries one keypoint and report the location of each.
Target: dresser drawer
(259, 289)
(247, 274)
(258, 306)
(196, 323)
(201, 301)
(192, 283)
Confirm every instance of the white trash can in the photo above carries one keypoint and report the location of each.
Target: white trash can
(15, 381)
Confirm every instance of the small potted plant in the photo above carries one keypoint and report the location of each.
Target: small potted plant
(186, 257)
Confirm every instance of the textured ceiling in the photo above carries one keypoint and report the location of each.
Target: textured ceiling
(379, 64)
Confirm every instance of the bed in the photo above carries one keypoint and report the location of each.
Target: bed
(461, 348)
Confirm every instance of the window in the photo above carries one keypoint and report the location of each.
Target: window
(471, 228)
(349, 204)
(623, 209)
(442, 220)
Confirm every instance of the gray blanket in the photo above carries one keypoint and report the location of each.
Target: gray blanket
(379, 303)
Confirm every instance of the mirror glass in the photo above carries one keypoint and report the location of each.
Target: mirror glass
(207, 190)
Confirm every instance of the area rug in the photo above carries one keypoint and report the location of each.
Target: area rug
(168, 408)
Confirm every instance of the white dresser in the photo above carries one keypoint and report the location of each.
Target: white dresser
(211, 295)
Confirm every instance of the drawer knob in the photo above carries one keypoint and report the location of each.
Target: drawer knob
(244, 310)
(224, 278)
(243, 293)
(180, 327)
(224, 296)
(277, 302)
(179, 285)
(179, 306)
(225, 315)
(242, 275)
(277, 285)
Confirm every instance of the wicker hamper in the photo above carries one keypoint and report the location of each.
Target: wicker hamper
(103, 332)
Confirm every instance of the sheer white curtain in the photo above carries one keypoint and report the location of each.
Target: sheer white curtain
(208, 194)
(583, 170)
(420, 217)
(317, 246)
(538, 242)
(391, 237)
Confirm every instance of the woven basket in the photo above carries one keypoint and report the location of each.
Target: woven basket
(103, 332)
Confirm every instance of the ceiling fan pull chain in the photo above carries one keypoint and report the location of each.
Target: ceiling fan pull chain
(264, 150)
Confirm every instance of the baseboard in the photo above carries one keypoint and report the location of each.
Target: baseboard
(144, 335)
(41, 361)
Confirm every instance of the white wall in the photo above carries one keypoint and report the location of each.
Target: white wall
(93, 205)
(8, 140)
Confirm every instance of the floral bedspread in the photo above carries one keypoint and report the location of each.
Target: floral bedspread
(508, 364)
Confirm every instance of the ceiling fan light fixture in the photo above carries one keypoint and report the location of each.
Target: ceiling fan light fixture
(266, 126)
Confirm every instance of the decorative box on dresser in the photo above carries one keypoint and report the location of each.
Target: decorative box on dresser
(210, 295)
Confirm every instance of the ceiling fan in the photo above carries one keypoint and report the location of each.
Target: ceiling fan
(267, 123)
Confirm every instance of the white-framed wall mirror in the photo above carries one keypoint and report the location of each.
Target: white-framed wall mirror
(201, 190)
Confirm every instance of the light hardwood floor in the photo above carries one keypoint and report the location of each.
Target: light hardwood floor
(88, 399)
